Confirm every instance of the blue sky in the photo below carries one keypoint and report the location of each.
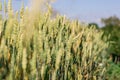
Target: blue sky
(84, 10)
(88, 10)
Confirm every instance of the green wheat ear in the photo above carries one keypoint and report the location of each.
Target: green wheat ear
(0, 6)
(5, 7)
(9, 9)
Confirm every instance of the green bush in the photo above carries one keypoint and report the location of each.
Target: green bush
(113, 72)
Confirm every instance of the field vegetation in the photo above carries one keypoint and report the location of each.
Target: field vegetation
(35, 46)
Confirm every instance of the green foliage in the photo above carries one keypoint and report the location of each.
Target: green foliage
(111, 21)
(113, 72)
(112, 28)
(36, 47)
(93, 24)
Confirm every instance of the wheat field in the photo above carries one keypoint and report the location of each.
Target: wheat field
(34, 46)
